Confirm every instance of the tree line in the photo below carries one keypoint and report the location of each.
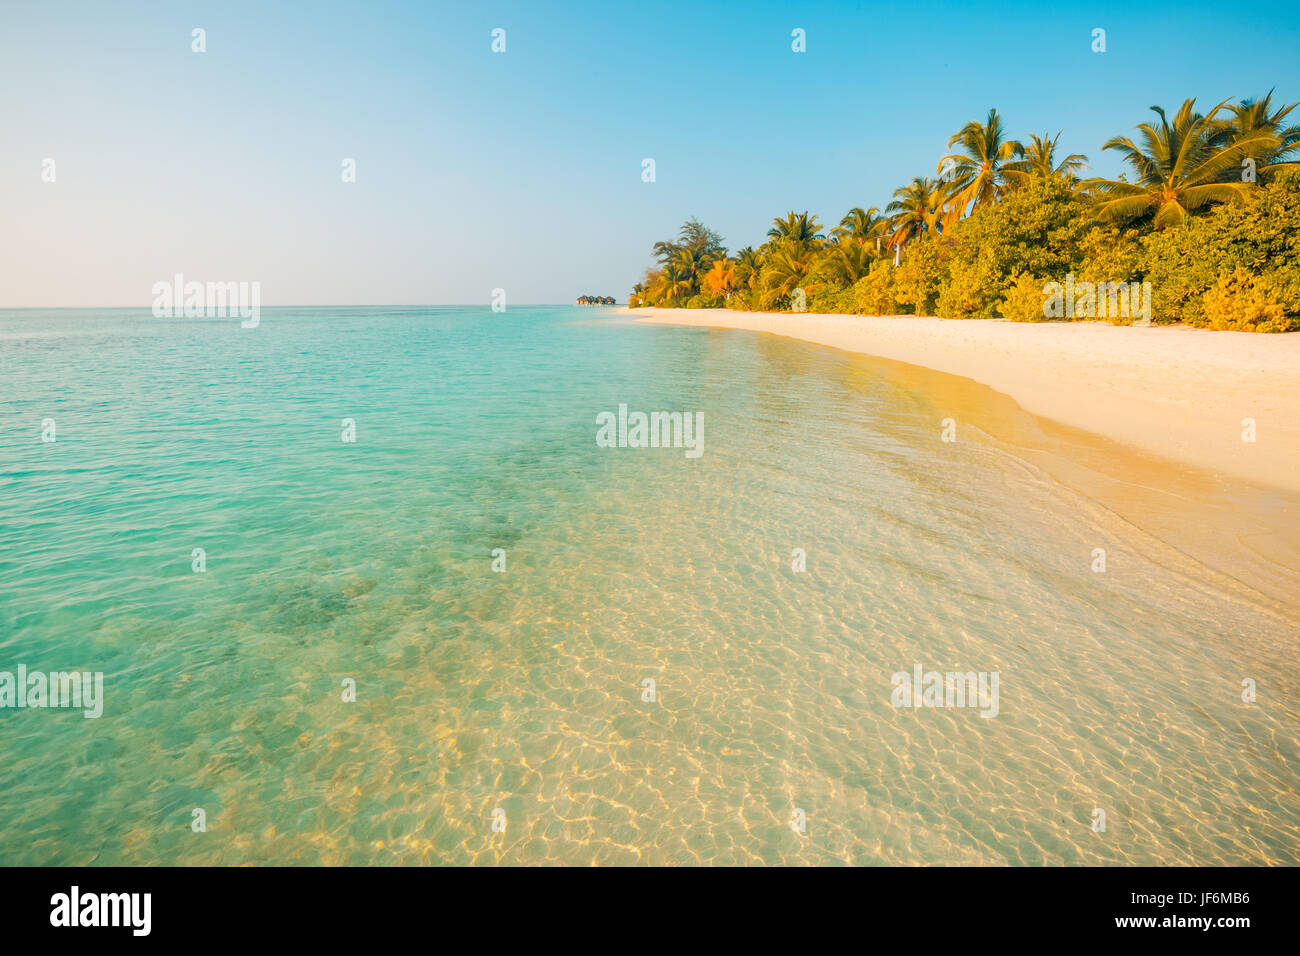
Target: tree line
(1207, 211)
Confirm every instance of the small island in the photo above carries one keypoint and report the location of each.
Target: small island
(594, 300)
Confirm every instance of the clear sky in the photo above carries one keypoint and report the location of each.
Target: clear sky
(522, 170)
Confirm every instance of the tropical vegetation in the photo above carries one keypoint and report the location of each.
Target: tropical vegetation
(1207, 211)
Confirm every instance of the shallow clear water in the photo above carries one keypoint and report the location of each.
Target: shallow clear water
(522, 690)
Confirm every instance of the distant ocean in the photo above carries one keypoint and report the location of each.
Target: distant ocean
(649, 679)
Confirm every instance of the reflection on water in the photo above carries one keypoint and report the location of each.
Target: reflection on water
(522, 691)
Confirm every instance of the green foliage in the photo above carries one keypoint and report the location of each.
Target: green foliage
(846, 301)
(1181, 166)
(705, 300)
(1038, 228)
(1181, 269)
(823, 277)
(1260, 236)
(1218, 249)
(873, 294)
(1024, 299)
(683, 263)
(797, 227)
(749, 263)
(922, 274)
(973, 289)
(828, 299)
(1249, 303)
(1110, 254)
(784, 269)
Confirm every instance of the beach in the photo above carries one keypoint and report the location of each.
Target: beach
(1179, 393)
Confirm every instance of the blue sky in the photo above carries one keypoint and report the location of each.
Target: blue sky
(522, 170)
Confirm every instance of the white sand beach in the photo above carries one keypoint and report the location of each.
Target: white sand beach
(1180, 393)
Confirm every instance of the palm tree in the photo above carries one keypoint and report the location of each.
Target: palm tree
(916, 210)
(1253, 118)
(849, 260)
(1178, 167)
(796, 227)
(676, 281)
(860, 223)
(783, 269)
(749, 263)
(691, 264)
(721, 279)
(978, 174)
(1038, 161)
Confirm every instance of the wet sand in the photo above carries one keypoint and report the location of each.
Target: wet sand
(1144, 422)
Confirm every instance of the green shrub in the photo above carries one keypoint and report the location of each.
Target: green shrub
(847, 302)
(922, 274)
(828, 297)
(873, 294)
(1037, 229)
(1248, 303)
(705, 300)
(973, 290)
(1260, 236)
(1109, 255)
(1024, 299)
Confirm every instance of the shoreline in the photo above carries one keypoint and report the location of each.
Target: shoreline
(1144, 421)
(1178, 393)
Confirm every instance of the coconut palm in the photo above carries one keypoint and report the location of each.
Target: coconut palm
(783, 269)
(1037, 160)
(796, 227)
(916, 210)
(676, 280)
(850, 259)
(1251, 119)
(692, 264)
(749, 263)
(860, 223)
(721, 278)
(1178, 168)
(978, 173)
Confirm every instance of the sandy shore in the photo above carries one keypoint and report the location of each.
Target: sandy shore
(1178, 393)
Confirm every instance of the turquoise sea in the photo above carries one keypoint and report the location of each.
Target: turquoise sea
(329, 561)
